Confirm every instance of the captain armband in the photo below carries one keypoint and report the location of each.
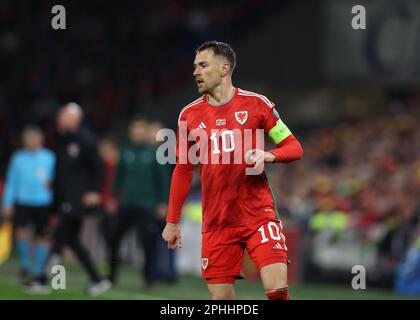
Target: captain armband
(279, 132)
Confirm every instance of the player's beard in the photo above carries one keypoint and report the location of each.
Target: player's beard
(206, 87)
(203, 89)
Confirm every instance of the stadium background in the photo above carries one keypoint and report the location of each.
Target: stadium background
(351, 96)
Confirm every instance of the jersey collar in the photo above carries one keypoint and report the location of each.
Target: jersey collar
(225, 102)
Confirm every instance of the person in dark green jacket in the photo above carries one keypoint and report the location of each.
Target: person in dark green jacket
(166, 259)
(140, 186)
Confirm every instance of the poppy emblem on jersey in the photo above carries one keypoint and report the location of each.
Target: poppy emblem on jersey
(241, 116)
(276, 114)
(204, 263)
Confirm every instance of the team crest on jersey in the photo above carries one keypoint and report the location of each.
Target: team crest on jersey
(241, 116)
(204, 263)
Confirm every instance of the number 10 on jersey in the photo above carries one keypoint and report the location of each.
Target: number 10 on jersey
(228, 141)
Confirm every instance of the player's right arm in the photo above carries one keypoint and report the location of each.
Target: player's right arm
(180, 187)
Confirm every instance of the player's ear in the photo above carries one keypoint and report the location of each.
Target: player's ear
(225, 69)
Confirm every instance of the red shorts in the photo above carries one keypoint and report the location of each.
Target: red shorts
(223, 249)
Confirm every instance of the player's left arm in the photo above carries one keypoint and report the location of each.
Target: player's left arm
(288, 147)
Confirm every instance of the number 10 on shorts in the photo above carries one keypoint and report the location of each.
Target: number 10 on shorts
(273, 229)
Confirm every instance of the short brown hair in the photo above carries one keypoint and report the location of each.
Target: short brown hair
(221, 49)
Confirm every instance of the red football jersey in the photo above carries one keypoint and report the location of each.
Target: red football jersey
(230, 197)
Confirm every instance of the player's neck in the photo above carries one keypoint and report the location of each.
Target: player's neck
(220, 95)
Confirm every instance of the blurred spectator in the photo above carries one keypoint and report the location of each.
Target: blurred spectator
(78, 184)
(27, 200)
(108, 151)
(140, 184)
(165, 262)
(147, 51)
(364, 182)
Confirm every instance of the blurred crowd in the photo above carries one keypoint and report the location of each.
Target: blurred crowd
(112, 64)
(356, 188)
(48, 194)
(359, 181)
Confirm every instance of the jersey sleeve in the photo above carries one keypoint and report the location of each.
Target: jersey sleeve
(182, 174)
(183, 145)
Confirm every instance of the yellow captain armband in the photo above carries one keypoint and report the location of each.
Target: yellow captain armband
(279, 132)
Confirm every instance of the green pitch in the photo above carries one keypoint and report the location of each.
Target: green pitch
(188, 288)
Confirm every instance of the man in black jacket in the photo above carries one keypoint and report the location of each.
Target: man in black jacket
(78, 181)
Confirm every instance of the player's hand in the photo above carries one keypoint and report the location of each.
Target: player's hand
(91, 199)
(7, 212)
(258, 157)
(172, 235)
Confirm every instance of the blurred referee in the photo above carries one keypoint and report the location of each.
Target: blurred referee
(27, 199)
(77, 187)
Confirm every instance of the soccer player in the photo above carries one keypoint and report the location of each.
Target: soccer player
(239, 210)
(28, 197)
